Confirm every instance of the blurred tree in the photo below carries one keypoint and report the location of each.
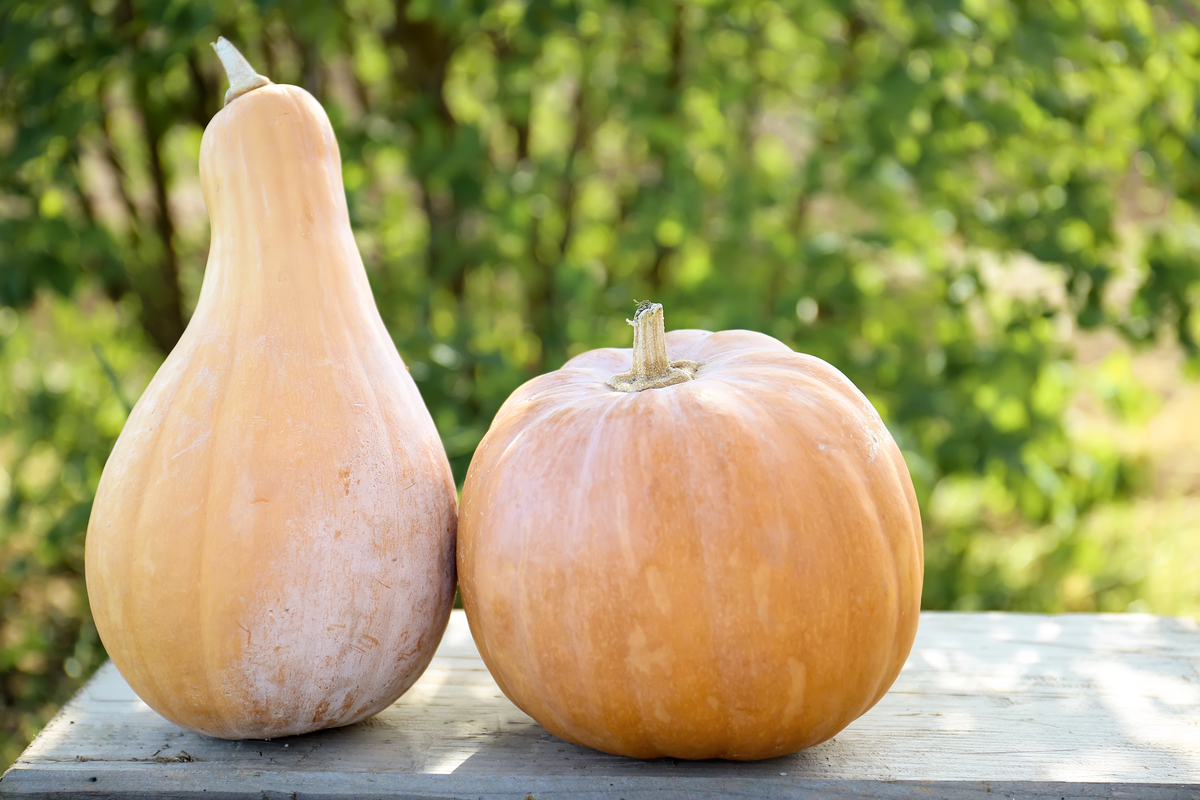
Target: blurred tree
(929, 195)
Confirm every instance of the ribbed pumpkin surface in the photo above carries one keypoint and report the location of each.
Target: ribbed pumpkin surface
(728, 567)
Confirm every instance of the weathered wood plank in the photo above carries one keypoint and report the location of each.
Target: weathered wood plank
(1023, 705)
(173, 782)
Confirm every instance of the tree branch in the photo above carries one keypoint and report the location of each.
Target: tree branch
(165, 322)
(578, 142)
(429, 53)
(121, 178)
(206, 103)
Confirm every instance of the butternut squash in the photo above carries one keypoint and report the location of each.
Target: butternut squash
(271, 548)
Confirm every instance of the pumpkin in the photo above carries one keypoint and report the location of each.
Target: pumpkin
(271, 547)
(716, 556)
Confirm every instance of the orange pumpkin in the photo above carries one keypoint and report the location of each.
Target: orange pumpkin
(714, 557)
(271, 548)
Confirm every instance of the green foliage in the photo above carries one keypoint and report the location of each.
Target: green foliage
(932, 196)
(59, 416)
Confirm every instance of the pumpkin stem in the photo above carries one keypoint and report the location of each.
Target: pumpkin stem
(242, 77)
(652, 368)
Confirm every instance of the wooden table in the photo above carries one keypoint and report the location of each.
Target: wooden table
(996, 705)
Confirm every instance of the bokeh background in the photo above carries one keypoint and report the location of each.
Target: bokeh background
(984, 212)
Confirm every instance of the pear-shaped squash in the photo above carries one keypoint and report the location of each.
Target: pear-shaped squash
(714, 557)
(271, 548)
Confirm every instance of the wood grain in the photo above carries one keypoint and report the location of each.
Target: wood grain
(987, 704)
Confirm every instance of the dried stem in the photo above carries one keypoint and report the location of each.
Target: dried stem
(242, 77)
(652, 367)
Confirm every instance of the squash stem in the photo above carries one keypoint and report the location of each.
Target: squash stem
(242, 77)
(652, 367)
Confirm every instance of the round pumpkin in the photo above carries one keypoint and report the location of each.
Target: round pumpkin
(718, 556)
(271, 548)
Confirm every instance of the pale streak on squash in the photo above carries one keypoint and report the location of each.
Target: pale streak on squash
(726, 567)
(271, 549)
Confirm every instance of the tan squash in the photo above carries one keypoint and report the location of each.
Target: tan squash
(713, 557)
(271, 549)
